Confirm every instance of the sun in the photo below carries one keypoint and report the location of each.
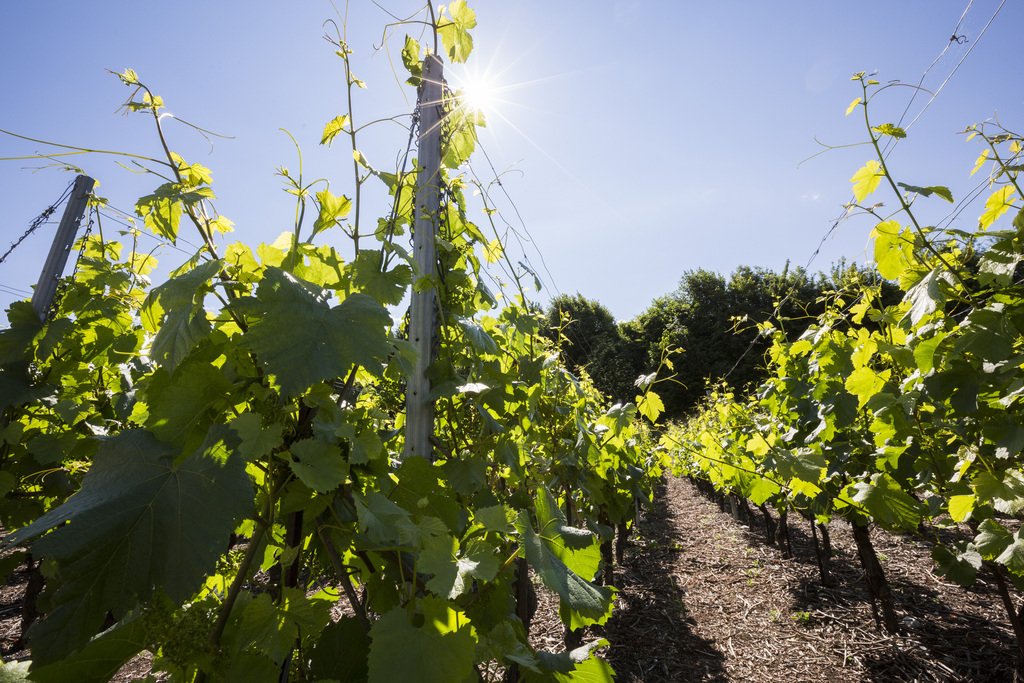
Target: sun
(479, 96)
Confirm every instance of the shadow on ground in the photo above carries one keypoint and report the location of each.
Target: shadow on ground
(939, 639)
(652, 633)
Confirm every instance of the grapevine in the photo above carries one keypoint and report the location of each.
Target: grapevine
(211, 470)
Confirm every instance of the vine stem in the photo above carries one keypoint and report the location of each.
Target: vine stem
(236, 585)
(995, 157)
(903, 202)
(339, 569)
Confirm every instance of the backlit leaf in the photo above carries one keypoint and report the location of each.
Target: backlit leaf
(981, 160)
(454, 32)
(866, 180)
(887, 502)
(332, 129)
(890, 129)
(436, 646)
(302, 340)
(997, 204)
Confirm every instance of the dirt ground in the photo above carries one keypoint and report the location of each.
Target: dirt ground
(705, 598)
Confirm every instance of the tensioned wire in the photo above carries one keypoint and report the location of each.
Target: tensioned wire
(963, 204)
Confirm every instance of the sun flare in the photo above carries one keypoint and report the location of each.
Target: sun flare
(479, 96)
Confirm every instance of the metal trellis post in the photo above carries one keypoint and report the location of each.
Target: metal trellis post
(419, 412)
(61, 247)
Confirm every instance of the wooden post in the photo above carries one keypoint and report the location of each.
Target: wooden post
(53, 267)
(419, 413)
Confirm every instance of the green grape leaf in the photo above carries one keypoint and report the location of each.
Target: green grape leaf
(961, 507)
(992, 539)
(452, 570)
(1007, 434)
(411, 60)
(890, 129)
(332, 210)
(544, 551)
(1013, 556)
(250, 666)
(318, 464)
(161, 211)
(893, 250)
(887, 503)
(386, 286)
(999, 262)
(465, 476)
(496, 518)
(478, 337)
(1004, 490)
(139, 522)
(16, 340)
(577, 665)
(332, 129)
(419, 491)
(321, 266)
(180, 332)
(301, 340)
(341, 652)
(981, 160)
(759, 490)
(866, 180)
(15, 672)
(938, 190)
(380, 519)
(185, 405)
(272, 626)
(16, 389)
(804, 465)
(436, 646)
(439, 559)
(98, 661)
(458, 148)
(257, 441)
(997, 204)
(864, 383)
(650, 406)
(960, 567)
(454, 32)
(959, 383)
(924, 352)
(926, 296)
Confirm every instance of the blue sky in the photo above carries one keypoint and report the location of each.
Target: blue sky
(641, 139)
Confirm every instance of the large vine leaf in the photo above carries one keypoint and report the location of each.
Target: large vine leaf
(140, 522)
(887, 502)
(302, 340)
(99, 660)
(959, 565)
(186, 323)
(272, 626)
(183, 407)
(548, 551)
(436, 645)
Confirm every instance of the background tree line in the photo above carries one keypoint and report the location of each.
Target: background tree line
(712, 320)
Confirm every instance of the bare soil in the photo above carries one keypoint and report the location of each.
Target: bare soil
(703, 597)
